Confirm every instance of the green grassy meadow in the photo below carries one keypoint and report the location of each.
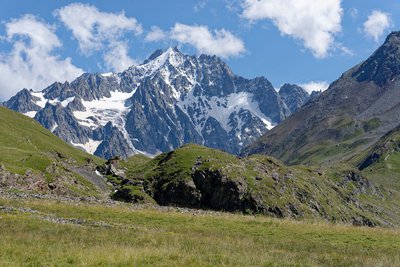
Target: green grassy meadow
(26, 145)
(126, 235)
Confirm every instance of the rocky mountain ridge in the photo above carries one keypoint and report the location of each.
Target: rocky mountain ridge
(169, 100)
(356, 110)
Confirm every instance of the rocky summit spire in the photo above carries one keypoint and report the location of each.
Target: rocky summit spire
(384, 65)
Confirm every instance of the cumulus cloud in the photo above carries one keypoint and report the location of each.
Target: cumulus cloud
(376, 24)
(117, 57)
(218, 42)
(32, 61)
(315, 86)
(100, 31)
(156, 34)
(313, 22)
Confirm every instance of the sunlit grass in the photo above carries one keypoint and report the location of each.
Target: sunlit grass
(146, 236)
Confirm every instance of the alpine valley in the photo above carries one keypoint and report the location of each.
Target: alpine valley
(337, 160)
(190, 156)
(170, 100)
(347, 137)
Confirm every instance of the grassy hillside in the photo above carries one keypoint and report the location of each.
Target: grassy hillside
(199, 177)
(33, 159)
(381, 164)
(48, 233)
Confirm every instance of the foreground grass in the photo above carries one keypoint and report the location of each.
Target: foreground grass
(126, 236)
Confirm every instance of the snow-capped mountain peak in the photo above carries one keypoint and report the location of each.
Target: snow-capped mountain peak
(169, 100)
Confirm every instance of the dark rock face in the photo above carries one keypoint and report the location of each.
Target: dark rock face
(221, 193)
(113, 142)
(170, 100)
(209, 190)
(294, 96)
(384, 64)
(387, 145)
(371, 159)
(87, 86)
(22, 102)
(157, 123)
(314, 95)
(184, 194)
(62, 123)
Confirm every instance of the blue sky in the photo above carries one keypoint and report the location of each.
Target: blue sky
(295, 41)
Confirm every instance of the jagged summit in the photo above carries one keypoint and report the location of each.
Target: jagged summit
(153, 56)
(160, 52)
(294, 96)
(384, 64)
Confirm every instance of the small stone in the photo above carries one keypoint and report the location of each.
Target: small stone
(52, 186)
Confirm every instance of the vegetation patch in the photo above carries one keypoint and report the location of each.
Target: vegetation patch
(123, 235)
(371, 124)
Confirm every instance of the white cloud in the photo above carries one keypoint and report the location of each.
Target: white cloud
(315, 86)
(100, 31)
(117, 57)
(218, 42)
(32, 62)
(222, 43)
(345, 50)
(156, 34)
(376, 24)
(313, 22)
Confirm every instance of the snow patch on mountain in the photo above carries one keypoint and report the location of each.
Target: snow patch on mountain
(42, 100)
(101, 111)
(221, 108)
(107, 109)
(151, 67)
(90, 146)
(54, 127)
(64, 103)
(30, 114)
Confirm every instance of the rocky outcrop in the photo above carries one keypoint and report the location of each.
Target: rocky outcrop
(201, 178)
(223, 193)
(388, 145)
